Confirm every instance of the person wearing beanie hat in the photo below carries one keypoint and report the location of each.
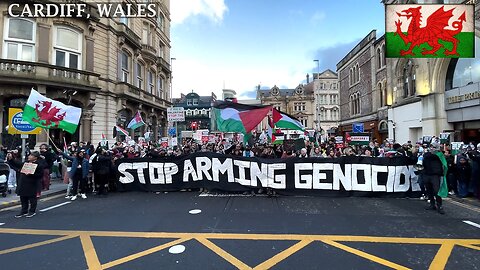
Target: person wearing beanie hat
(28, 185)
(463, 175)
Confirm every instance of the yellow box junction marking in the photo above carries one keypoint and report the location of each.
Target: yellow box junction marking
(439, 262)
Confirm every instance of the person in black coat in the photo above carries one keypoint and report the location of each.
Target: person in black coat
(431, 175)
(49, 158)
(28, 186)
(101, 169)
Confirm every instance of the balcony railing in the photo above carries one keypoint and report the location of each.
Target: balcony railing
(32, 71)
(149, 51)
(140, 95)
(164, 64)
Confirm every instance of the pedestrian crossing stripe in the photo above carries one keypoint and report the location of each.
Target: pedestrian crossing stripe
(338, 241)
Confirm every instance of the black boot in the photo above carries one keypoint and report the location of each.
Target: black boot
(440, 210)
(431, 207)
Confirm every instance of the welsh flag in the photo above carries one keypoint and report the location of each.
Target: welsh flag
(283, 120)
(236, 117)
(425, 31)
(136, 122)
(47, 113)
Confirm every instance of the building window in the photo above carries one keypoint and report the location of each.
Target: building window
(161, 50)
(355, 103)
(189, 102)
(123, 20)
(125, 64)
(19, 42)
(160, 87)
(161, 21)
(379, 58)
(464, 71)
(409, 79)
(151, 82)
(188, 112)
(299, 106)
(195, 102)
(140, 77)
(148, 34)
(67, 47)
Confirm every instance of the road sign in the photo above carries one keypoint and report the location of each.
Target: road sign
(16, 125)
(172, 131)
(357, 127)
(175, 114)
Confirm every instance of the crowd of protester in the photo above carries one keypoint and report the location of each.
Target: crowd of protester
(86, 168)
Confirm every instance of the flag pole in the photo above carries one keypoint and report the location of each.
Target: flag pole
(56, 147)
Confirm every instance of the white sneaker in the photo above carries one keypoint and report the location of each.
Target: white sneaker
(68, 197)
(451, 193)
(83, 196)
(73, 198)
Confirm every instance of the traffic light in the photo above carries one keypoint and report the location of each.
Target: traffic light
(194, 125)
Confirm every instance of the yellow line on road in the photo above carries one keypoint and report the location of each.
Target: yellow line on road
(222, 253)
(143, 253)
(90, 253)
(298, 237)
(440, 260)
(471, 246)
(284, 254)
(365, 255)
(2, 252)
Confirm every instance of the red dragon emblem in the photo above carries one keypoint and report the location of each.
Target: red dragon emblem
(47, 115)
(431, 33)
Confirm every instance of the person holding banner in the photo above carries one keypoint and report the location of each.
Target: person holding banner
(30, 181)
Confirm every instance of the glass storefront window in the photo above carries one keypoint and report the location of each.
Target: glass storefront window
(467, 70)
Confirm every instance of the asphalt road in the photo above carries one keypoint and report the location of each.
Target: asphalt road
(141, 230)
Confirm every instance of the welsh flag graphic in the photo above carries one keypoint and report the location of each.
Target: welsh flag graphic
(136, 122)
(283, 120)
(47, 113)
(236, 117)
(427, 31)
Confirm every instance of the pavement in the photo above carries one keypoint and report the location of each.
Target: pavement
(56, 187)
(191, 230)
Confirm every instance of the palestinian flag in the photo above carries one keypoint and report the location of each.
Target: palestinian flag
(136, 121)
(47, 113)
(120, 130)
(236, 117)
(283, 120)
(428, 31)
(270, 132)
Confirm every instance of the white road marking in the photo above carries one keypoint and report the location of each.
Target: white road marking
(195, 211)
(55, 206)
(472, 223)
(177, 249)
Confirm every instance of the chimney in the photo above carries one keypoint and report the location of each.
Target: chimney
(308, 78)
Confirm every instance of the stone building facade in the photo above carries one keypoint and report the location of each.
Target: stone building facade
(327, 100)
(419, 92)
(359, 96)
(198, 111)
(298, 102)
(110, 67)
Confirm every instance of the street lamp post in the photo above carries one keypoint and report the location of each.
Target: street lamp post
(171, 80)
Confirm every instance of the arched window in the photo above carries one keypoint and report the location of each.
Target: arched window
(464, 71)
(19, 40)
(125, 63)
(379, 58)
(67, 47)
(380, 91)
(409, 79)
(350, 77)
(383, 55)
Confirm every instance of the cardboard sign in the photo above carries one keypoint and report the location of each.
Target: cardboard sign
(29, 168)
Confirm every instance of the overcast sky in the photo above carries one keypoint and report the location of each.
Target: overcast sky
(241, 44)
